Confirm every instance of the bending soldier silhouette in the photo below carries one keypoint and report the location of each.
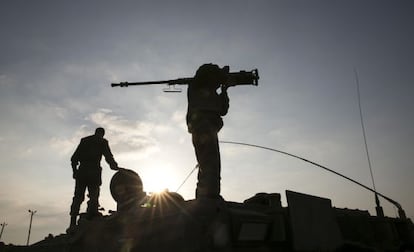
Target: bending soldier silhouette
(88, 156)
(205, 109)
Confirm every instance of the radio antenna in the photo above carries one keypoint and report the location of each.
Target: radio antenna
(378, 208)
(401, 211)
(188, 176)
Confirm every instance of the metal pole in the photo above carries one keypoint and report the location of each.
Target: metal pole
(2, 228)
(30, 226)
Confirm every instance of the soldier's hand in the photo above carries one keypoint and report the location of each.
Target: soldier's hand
(224, 88)
(114, 167)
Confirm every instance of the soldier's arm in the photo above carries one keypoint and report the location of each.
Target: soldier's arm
(76, 156)
(75, 160)
(109, 158)
(224, 99)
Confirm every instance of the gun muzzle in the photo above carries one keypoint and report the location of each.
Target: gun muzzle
(121, 84)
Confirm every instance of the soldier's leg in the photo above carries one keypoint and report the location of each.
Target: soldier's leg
(208, 156)
(77, 200)
(93, 203)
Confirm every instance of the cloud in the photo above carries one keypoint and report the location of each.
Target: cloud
(6, 81)
(125, 136)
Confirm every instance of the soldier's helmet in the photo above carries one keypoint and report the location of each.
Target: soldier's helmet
(126, 187)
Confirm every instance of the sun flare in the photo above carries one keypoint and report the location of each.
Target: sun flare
(154, 182)
(156, 186)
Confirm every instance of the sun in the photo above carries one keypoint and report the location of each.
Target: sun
(156, 186)
(157, 182)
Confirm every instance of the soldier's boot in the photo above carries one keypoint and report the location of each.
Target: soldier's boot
(72, 225)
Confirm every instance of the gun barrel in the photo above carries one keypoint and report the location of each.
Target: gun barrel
(233, 79)
(180, 81)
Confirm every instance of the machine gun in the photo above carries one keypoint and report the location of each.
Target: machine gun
(233, 79)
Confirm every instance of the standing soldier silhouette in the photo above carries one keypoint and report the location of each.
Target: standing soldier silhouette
(88, 174)
(205, 109)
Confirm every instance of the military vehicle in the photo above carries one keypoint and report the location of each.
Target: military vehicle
(167, 222)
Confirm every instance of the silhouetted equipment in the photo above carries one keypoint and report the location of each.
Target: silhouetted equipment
(380, 213)
(166, 222)
(30, 225)
(3, 225)
(378, 208)
(233, 79)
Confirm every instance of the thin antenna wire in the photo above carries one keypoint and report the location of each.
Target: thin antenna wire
(363, 128)
(379, 210)
(401, 211)
(303, 159)
(188, 176)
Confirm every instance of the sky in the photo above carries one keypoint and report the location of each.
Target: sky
(58, 58)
